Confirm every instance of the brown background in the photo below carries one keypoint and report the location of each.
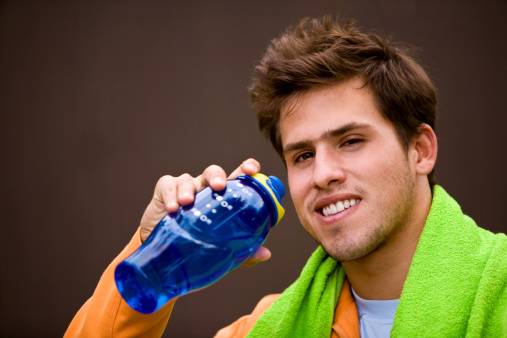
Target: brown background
(99, 99)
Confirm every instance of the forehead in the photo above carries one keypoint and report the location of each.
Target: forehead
(309, 115)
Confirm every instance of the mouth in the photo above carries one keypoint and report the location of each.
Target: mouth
(340, 206)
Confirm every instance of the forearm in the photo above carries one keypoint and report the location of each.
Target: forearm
(106, 314)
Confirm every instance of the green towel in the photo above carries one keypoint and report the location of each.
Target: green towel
(306, 308)
(456, 285)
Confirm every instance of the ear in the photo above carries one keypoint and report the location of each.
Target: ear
(426, 147)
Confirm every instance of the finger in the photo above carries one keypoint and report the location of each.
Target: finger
(248, 167)
(186, 188)
(165, 194)
(261, 254)
(163, 201)
(214, 177)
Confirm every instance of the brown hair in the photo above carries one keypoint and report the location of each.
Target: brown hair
(322, 52)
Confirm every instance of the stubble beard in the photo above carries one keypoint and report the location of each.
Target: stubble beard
(377, 233)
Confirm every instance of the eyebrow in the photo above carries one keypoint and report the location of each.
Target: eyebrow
(326, 135)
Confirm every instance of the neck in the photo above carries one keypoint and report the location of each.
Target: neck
(381, 274)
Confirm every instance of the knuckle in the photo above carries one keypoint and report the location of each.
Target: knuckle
(214, 167)
(165, 180)
(185, 177)
(186, 181)
(213, 170)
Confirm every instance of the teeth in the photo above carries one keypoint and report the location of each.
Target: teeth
(333, 209)
(338, 207)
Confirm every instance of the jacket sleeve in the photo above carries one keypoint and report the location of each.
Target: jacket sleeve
(243, 325)
(106, 314)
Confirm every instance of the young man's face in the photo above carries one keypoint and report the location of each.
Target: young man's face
(350, 179)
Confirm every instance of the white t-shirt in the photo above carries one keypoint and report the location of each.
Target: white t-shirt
(375, 316)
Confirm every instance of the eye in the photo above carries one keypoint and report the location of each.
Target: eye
(303, 157)
(351, 142)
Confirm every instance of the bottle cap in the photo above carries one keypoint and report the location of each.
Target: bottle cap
(276, 190)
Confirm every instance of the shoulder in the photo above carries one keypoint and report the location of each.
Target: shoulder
(243, 325)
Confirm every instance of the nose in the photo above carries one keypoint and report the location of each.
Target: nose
(327, 170)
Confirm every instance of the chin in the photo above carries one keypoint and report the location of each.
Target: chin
(351, 252)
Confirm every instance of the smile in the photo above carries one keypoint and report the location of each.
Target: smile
(338, 207)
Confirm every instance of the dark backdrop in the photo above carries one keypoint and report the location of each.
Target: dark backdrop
(99, 99)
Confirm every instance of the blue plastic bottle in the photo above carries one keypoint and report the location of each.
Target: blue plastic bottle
(202, 242)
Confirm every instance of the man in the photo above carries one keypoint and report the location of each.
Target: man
(352, 117)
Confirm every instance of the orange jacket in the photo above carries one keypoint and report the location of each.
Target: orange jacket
(106, 314)
(345, 325)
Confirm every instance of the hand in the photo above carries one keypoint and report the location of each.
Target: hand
(173, 192)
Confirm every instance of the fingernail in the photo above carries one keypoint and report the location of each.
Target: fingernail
(172, 205)
(185, 194)
(218, 180)
(252, 167)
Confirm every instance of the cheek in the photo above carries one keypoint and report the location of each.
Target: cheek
(391, 177)
(293, 189)
(298, 194)
(378, 165)
(297, 188)
(367, 168)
